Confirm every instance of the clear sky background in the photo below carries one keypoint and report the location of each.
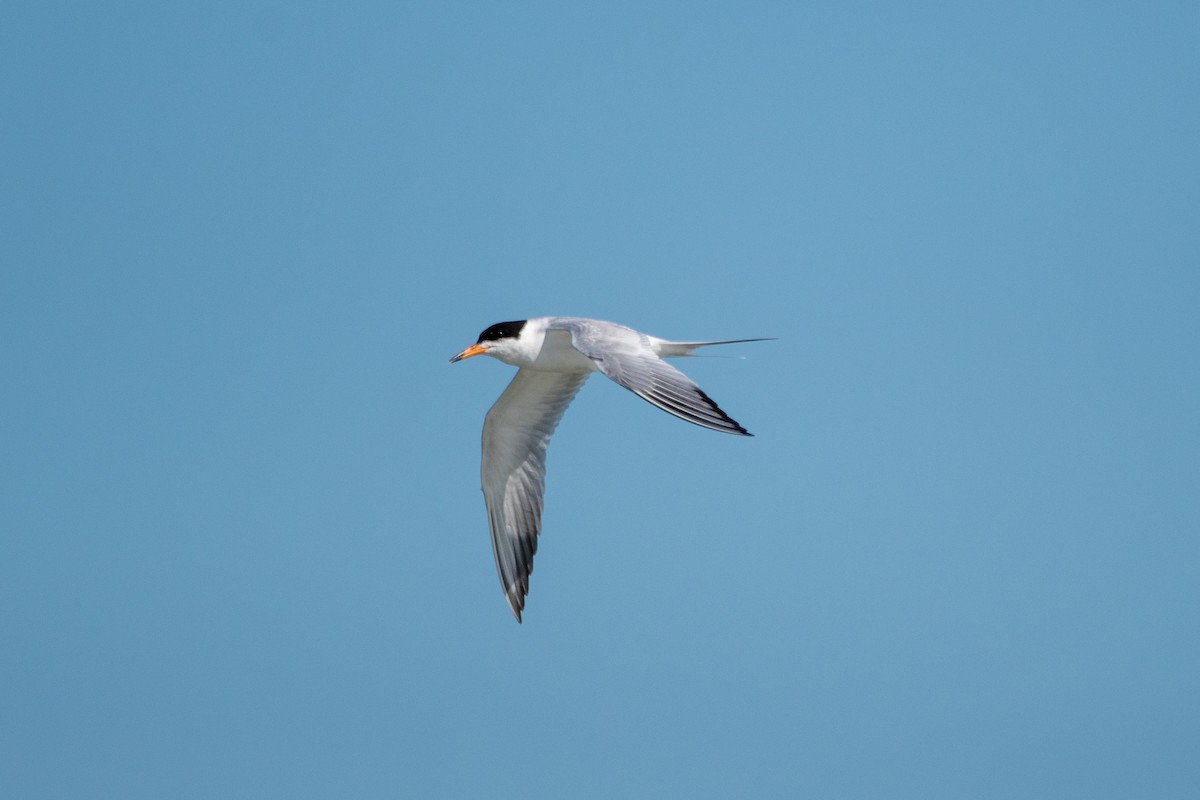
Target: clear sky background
(243, 549)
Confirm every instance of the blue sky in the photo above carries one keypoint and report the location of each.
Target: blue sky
(243, 552)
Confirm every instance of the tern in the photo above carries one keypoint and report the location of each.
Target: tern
(554, 356)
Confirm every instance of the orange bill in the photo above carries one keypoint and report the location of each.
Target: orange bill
(474, 350)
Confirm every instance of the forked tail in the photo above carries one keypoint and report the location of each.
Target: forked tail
(676, 349)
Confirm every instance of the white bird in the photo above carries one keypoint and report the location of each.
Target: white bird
(555, 355)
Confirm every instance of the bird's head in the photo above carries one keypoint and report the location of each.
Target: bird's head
(499, 341)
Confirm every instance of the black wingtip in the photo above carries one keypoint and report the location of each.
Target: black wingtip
(734, 426)
(516, 604)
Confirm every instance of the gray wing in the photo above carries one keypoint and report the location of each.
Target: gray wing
(626, 356)
(515, 435)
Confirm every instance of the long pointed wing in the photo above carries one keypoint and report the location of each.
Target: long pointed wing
(625, 356)
(515, 435)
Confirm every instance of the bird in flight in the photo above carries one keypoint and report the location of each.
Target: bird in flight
(554, 356)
